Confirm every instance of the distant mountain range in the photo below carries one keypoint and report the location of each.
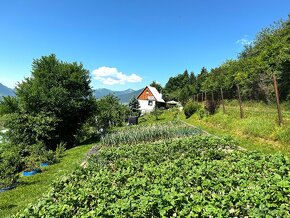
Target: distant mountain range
(124, 96)
(5, 91)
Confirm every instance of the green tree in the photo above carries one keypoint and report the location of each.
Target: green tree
(186, 93)
(58, 92)
(157, 86)
(134, 106)
(8, 105)
(110, 113)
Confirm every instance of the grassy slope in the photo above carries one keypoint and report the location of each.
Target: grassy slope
(257, 131)
(33, 187)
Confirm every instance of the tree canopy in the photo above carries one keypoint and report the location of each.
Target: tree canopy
(53, 103)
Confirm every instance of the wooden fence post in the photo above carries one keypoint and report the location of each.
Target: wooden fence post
(280, 121)
(223, 103)
(240, 102)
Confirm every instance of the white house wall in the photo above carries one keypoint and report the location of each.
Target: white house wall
(145, 108)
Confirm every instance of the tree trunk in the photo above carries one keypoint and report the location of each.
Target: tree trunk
(240, 102)
(205, 97)
(223, 103)
(212, 96)
(202, 97)
(280, 121)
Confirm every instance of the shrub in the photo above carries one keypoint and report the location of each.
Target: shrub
(211, 106)
(9, 167)
(190, 108)
(59, 152)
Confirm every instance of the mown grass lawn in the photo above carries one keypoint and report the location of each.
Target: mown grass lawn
(32, 188)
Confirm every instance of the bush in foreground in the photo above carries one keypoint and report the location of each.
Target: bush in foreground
(190, 108)
(201, 176)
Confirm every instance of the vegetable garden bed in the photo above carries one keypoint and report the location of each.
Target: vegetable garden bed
(201, 176)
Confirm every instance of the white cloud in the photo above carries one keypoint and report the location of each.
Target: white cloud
(111, 76)
(244, 41)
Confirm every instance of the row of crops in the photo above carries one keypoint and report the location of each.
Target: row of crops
(143, 134)
(198, 176)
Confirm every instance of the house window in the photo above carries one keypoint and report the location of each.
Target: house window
(150, 103)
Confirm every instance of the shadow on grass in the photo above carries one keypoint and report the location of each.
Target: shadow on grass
(7, 207)
(92, 140)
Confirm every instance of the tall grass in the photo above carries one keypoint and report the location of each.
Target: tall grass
(142, 134)
(259, 123)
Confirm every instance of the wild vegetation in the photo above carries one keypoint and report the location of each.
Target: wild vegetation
(258, 129)
(268, 56)
(52, 110)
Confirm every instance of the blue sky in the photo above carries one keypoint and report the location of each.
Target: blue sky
(129, 43)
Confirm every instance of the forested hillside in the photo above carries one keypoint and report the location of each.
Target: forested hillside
(266, 58)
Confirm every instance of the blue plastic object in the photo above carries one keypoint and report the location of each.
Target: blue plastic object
(44, 164)
(30, 173)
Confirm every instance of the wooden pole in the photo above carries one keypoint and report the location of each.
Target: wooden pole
(280, 121)
(223, 103)
(240, 102)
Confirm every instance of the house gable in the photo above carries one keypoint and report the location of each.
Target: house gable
(146, 94)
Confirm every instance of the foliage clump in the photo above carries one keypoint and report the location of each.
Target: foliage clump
(211, 106)
(148, 134)
(190, 108)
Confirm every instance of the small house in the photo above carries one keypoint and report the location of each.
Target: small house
(149, 98)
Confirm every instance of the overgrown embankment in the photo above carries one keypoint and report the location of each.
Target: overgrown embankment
(258, 130)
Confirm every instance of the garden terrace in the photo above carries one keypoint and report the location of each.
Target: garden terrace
(200, 176)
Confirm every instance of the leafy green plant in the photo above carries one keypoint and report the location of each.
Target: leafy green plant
(9, 166)
(190, 108)
(60, 149)
(148, 134)
(211, 106)
(201, 176)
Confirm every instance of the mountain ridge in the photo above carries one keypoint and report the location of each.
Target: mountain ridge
(6, 91)
(124, 95)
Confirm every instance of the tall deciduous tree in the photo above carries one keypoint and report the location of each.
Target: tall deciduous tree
(110, 113)
(58, 92)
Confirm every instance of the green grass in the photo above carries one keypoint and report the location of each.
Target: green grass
(257, 131)
(166, 116)
(32, 188)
